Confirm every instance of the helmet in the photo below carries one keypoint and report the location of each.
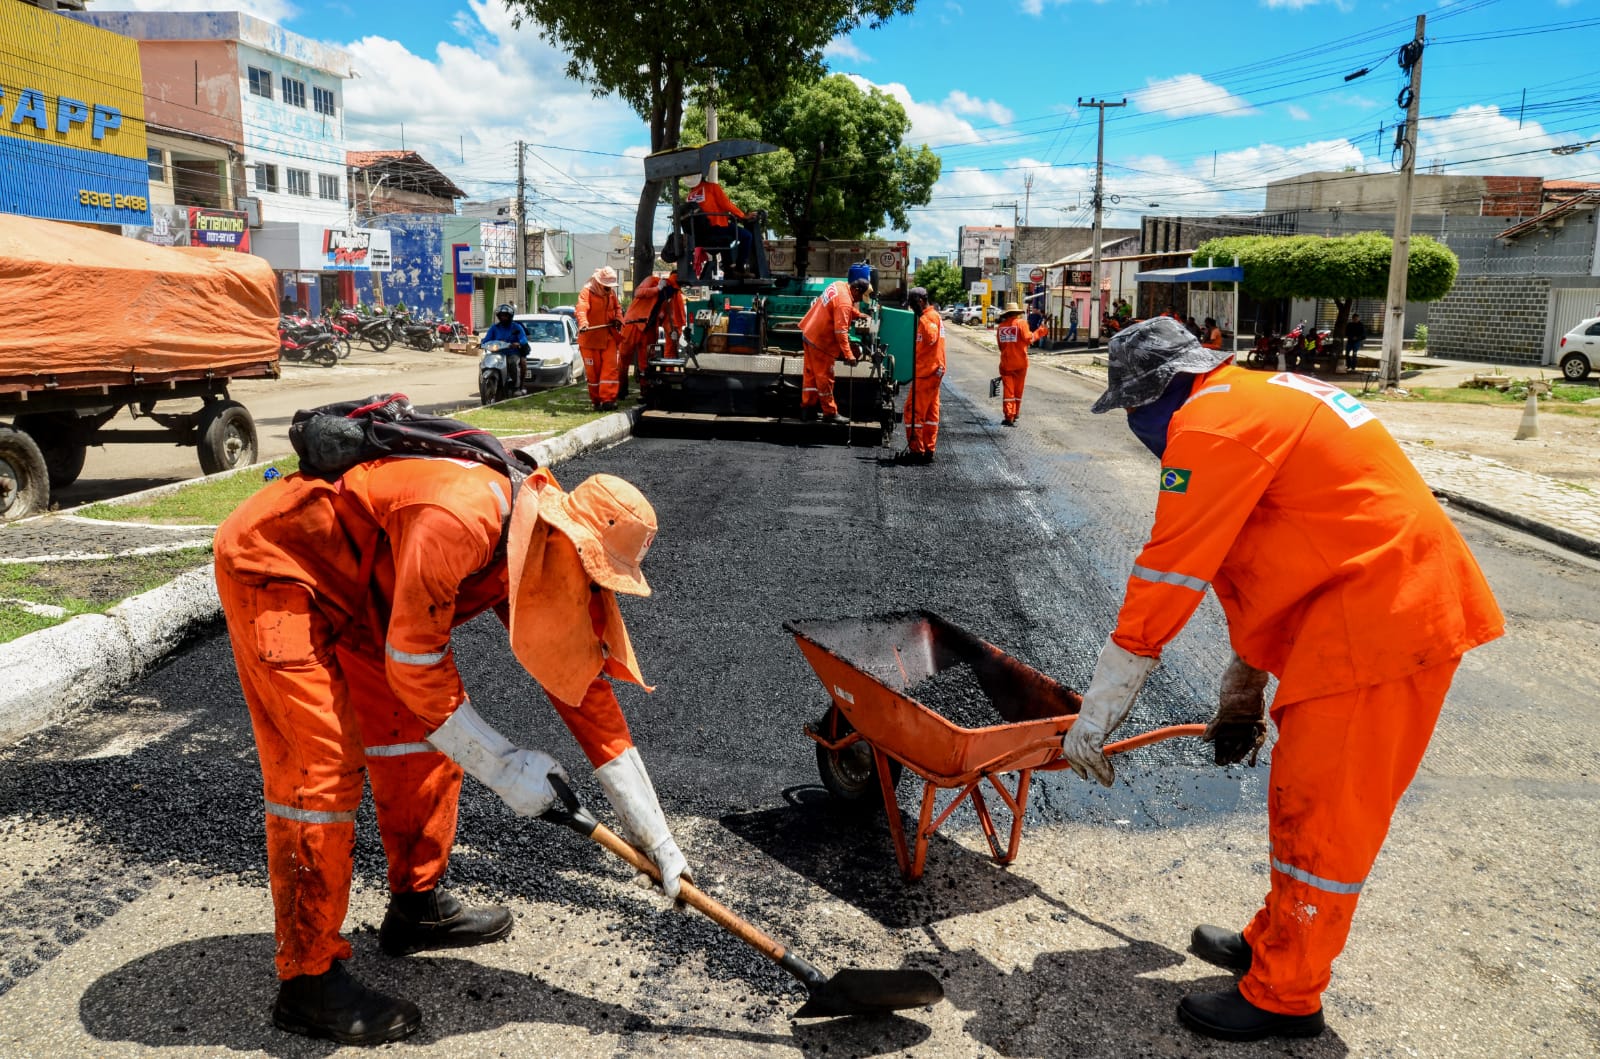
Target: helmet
(861, 272)
(504, 310)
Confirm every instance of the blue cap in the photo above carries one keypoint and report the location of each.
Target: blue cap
(860, 273)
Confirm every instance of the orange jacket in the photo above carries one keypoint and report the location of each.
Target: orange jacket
(714, 201)
(1213, 339)
(928, 351)
(1335, 566)
(673, 315)
(826, 324)
(1014, 339)
(597, 308)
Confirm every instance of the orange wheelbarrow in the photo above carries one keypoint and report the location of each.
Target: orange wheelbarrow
(874, 730)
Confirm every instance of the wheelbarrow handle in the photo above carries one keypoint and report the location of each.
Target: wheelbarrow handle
(1172, 731)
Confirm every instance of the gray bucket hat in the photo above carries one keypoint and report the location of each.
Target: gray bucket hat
(1144, 358)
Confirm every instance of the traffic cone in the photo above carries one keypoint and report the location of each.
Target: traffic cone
(1529, 427)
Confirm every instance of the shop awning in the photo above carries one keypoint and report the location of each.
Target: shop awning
(1225, 274)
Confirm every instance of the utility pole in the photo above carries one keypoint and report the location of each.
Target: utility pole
(1395, 326)
(1011, 259)
(1027, 196)
(711, 127)
(521, 299)
(1095, 307)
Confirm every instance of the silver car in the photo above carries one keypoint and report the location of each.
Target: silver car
(553, 358)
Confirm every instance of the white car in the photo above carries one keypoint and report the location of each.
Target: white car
(553, 358)
(1580, 348)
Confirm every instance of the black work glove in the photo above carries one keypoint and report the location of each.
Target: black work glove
(1239, 727)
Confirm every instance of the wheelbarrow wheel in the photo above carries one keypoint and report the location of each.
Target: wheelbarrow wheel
(850, 774)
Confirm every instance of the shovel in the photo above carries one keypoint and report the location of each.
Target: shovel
(850, 992)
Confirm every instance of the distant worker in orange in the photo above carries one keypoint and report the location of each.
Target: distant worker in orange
(1014, 338)
(340, 598)
(1340, 574)
(825, 330)
(927, 375)
(1213, 333)
(599, 325)
(657, 304)
(720, 211)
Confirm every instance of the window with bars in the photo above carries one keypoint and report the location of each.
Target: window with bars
(260, 82)
(299, 181)
(294, 92)
(156, 162)
(322, 100)
(266, 177)
(328, 187)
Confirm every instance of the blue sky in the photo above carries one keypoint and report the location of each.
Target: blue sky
(1222, 98)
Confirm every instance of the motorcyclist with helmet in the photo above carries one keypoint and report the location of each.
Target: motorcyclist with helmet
(505, 329)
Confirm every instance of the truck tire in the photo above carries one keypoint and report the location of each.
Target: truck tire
(61, 442)
(24, 478)
(227, 437)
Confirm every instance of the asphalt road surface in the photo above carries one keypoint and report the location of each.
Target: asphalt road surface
(138, 920)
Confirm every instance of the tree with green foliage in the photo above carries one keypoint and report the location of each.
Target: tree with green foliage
(842, 171)
(942, 281)
(1342, 268)
(653, 55)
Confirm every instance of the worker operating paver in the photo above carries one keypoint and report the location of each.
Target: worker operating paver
(340, 598)
(825, 329)
(1340, 574)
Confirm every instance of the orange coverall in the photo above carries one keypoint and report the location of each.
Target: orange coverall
(598, 307)
(1014, 339)
(825, 329)
(714, 202)
(927, 374)
(340, 598)
(636, 334)
(1338, 572)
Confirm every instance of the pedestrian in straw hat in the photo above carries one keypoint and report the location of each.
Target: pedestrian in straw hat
(1014, 338)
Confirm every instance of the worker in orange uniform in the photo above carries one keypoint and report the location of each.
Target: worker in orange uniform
(921, 413)
(825, 332)
(657, 303)
(340, 598)
(713, 201)
(599, 326)
(1213, 339)
(1014, 338)
(1339, 573)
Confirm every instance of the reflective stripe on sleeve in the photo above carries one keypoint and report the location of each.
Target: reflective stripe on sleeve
(407, 658)
(1318, 881)
(401, 749)
(1219, 388)
(500, 498)
(1166, 577)
(310, 816)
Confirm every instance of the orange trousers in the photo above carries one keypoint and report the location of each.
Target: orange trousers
(1339, 768)
(607, 381)
(816, 380)
(1011, 389)
(594, 372)
(922, 415)
(323, 714)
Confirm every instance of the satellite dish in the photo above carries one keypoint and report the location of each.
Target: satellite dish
(619, 241)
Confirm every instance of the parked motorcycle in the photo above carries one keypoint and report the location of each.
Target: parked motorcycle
(1307, 345)
(306, 343)
(414, 333)
(373, 330)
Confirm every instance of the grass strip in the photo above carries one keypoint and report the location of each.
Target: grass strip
(1565, 399)
(88, 587)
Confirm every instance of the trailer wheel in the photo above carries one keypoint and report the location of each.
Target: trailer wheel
(227, 437)
(24, 478)
(850, 774)
(61, 442)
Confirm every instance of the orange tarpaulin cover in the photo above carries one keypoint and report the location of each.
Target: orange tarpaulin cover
(84, 307)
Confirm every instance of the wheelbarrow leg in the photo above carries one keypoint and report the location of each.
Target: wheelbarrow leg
(891, 811)
(924, 832)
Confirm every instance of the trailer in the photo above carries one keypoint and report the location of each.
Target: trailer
(97, 323)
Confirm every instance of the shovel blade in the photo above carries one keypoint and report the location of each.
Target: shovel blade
(854, 992)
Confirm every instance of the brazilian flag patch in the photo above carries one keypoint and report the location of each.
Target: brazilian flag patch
(1175, 480)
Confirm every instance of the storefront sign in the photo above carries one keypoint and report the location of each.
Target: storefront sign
(72, 140)
(219, 229)
(462, 254)
(499, 243)
(356, 249)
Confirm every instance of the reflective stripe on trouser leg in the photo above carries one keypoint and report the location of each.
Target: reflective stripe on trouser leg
(610, 360)
(1011, 387)
(415, 788)
(817, 375)
(1339, 767)
(311, 764)
(591, 374)
(927, 425)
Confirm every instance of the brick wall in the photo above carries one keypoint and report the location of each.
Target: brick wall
(1497, 318)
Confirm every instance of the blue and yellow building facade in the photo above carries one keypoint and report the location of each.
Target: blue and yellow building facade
(72, 123)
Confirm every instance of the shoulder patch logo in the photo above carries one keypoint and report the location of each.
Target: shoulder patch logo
(1352, 411)
(1175, 479)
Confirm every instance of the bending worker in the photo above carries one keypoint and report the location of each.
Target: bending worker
(340, 598)
(599, 324)
(825, 330)
(927, 375)
(657, 304)
(1014, 337)
(1339, 573)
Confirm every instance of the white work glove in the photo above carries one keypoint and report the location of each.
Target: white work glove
(520, 777)
(627, 786)
(1118, 676)
(1238, 728)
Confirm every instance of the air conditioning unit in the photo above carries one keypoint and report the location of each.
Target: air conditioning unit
(251, 208)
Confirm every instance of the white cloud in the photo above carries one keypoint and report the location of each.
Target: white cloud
(1299, 113)
(842, 48)
(1480, 139)
(271, 10)
(1189, 94)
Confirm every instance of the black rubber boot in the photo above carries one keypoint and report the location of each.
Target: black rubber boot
(334, 1006)
(1224, 948)
(835, 418)
(436, 920)
(1228, 1016)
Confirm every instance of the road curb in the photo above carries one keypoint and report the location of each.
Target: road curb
(1574, 542)
(47, 675)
